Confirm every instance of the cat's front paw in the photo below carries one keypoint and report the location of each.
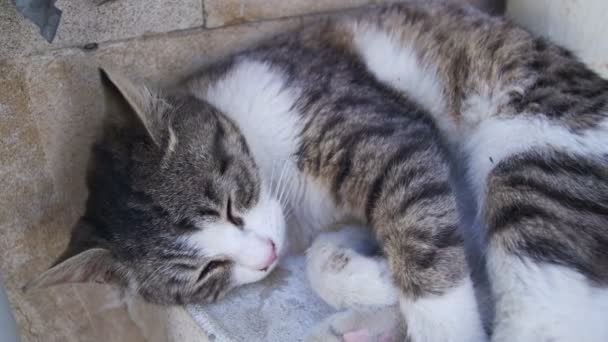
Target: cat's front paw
(377, 325)
(345, 277)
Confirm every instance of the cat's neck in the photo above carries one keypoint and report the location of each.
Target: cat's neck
(255, 98)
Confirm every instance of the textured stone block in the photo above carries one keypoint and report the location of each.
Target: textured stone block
(165, 324)
(83, 22)
(36, 215)
(580, 26)
(229, 12)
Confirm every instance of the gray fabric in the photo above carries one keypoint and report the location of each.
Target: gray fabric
(43, 13)
(280, 308)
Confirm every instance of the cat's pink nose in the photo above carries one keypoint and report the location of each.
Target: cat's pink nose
(272, 257)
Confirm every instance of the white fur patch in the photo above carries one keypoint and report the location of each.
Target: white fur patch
(397, 64)
(172, 141)
(542, 302)
(171, 146)
(249, 248)
(451, 317)
(266, 219)
(313, 208)
(255, 96)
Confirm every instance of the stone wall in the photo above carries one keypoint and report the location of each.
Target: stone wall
(581, 26)
(49, 112)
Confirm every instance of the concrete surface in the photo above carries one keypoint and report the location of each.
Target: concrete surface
(83, 21)
(165, 324)
(229, 12)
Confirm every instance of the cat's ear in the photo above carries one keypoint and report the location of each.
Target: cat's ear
(133, 104)
(91, 265)
(82, 261)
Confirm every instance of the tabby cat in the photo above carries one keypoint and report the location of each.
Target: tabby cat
(359, 117)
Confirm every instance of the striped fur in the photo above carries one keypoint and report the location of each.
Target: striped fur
(530, 122)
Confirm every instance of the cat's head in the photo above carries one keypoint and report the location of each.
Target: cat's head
(177, 210)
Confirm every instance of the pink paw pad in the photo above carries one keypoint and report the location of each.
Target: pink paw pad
(362, 335)
(387, 337)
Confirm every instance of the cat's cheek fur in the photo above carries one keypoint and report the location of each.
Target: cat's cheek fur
(241, 275)
(573, 309)
(224, 241)
(249, 247)
(267, 220)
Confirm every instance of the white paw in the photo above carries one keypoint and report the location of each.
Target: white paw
(345, 278)
(374, 325)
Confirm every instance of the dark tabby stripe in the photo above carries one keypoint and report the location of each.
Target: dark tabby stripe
(552, 207)
(218, 151)
(428, 191)
(397, 160)
(347, 148)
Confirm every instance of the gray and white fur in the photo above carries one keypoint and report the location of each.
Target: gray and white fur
(357, 117)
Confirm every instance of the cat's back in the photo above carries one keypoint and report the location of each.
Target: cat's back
(450, 57)
(445, 57)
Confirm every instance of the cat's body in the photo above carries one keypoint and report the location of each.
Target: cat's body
(355, 117)
(348, 148)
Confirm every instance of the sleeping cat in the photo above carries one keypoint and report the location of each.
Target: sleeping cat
(358, 117)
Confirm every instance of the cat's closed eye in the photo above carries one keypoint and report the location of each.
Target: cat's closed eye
(211, 265)
(235, 220)
(208, 212)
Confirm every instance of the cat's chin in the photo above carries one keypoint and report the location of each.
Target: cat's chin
(242, 275)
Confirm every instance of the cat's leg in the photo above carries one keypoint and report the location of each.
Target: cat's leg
(415, 218)
(405, 195)
(386, 166)
(545, 208)
(345, 270)
(410, 204)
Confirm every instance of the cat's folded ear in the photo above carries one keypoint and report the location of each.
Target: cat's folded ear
(134, 104)
(82, 261)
